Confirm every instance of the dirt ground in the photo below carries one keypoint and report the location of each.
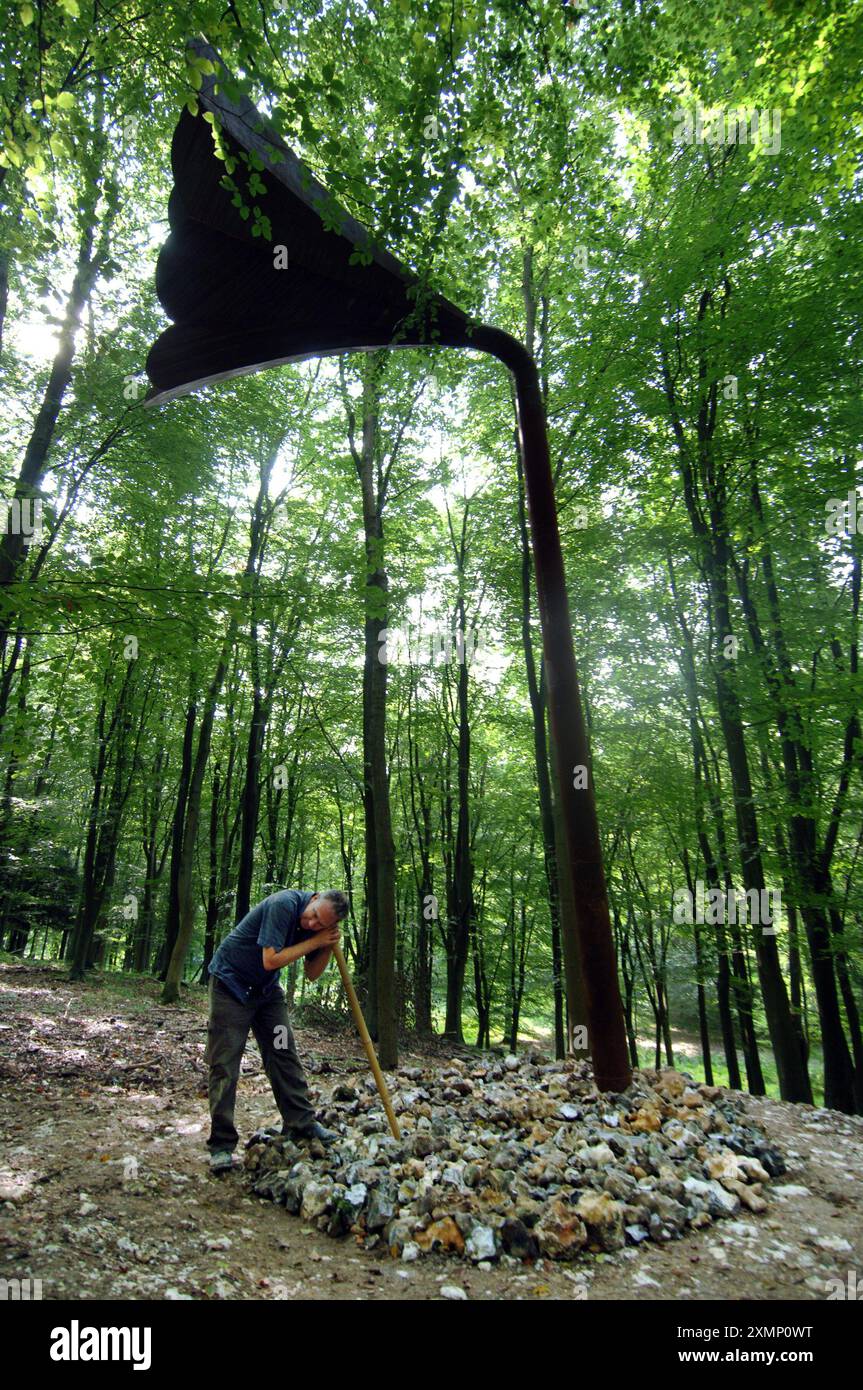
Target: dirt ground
(105, 1191)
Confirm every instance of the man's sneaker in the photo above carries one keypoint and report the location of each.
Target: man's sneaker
(313, 1131)
(221, 1160)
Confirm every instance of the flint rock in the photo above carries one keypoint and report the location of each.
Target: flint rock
(381, 1207)
(317, 1199)
(561, 1233)
(717, 1201)
(480, 1244)
(729, 1168)
(441, 1235)
(397, 1235)
(603, 1220)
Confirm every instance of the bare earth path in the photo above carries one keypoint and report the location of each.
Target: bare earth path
(105, 1193)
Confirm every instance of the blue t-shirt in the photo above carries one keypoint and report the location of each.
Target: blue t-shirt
(275, 922)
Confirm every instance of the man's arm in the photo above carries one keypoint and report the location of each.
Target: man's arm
(316, 967)
(274, 960)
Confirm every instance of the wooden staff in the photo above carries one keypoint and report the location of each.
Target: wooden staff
(367, 1042)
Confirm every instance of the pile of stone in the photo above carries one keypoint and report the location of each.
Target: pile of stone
(522, 1158)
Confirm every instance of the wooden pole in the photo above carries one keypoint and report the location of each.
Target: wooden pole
(367, 1042)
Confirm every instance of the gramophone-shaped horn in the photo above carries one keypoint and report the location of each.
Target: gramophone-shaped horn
(240, 302)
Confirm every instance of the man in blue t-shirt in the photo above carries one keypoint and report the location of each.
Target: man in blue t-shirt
(245, 993)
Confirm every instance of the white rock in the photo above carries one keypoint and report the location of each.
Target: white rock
(837, 1243)
(597, 1155)
(480, 1244)
(316, 1198)
(727, 1200)
(742, 1228)
(697, 1187)
(752, 1169)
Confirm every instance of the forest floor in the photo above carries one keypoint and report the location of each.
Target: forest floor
(105, 1191)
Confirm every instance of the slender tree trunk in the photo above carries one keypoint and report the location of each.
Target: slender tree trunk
(380, 850)
(811, 882)
(703, 1026)
(92, 254)
(172, 924)
(713, 548)
(171, 992)
(465, 913)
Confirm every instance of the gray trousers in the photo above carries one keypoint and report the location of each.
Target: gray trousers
(227, 1034)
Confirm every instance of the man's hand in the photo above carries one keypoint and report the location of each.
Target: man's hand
(319, 958)
(327, 937)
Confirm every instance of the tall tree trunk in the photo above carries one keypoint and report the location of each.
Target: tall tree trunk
(92, 254)
(171, 992)
(464, 923)
(212, 878)
(104, 827)
(702, 794)
(713, 554)
(172, 924)
(380, 850)
(811, 883)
